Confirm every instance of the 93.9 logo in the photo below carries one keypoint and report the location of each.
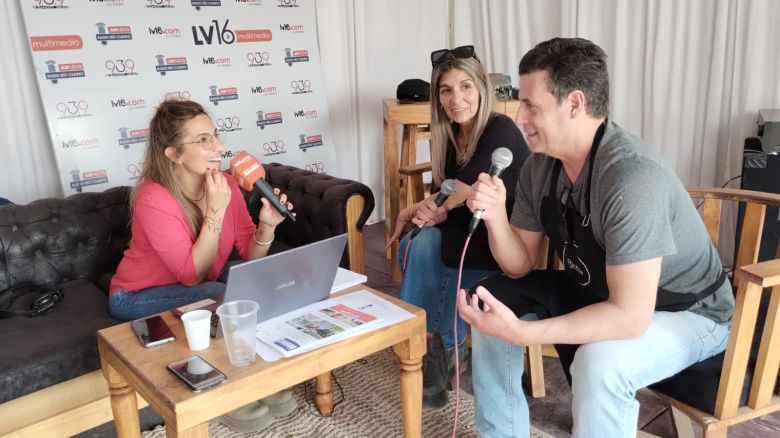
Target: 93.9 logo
(273, 147)
(228, 124)
(120, 67)
(318, 167)
(258, 58)
(72, 108)
(301, 86)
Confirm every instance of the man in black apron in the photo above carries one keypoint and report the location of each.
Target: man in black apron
(643, 294)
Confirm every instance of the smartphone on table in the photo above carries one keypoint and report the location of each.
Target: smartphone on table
(152, 331)
(196, 373)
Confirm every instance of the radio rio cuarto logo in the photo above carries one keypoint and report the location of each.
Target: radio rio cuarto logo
(217, 94)
(228, 124)
(292, 28)
(120, 67)
(165, 64)
(216, 33)
(301, 86)
(318, 167)
(79, 179)
(128, 103)
(132, 136)
(178, 95)
(287, 4)
(165, 32)
(134, 169)
(112, 33)
(49, 4)
(56, 42)
(258, 59)
(72, 109)
(266, 118)
(197, 4)
(80, 143)
(55, 72)
(266, 91)
(309, 114)
(309, 141)
(159, 4)
(273, 147)
(291, 56)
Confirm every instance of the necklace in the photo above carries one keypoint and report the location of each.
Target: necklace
(202, 195)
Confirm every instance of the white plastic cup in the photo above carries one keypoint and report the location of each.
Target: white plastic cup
(239, 325)
(197, 326)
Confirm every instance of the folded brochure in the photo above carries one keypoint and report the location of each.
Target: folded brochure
(328, 321)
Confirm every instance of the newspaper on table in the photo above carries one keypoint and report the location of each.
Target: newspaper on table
(326, 322)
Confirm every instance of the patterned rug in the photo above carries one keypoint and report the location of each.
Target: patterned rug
(366, 405)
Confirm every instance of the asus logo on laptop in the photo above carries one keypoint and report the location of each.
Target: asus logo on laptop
(285, 285)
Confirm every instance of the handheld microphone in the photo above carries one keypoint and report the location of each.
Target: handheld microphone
(448, 187)
(249, 174)
(500, 160)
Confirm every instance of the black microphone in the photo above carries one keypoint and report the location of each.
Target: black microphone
(500, 160)
(249, 173)
(448, 187)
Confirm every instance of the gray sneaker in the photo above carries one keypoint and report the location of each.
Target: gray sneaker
(253, 417)
(280, 404)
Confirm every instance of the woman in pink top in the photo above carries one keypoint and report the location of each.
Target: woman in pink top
(187, 216)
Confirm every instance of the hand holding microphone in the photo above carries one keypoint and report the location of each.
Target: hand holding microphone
(249, 174)
(448, 187)
(500, 160)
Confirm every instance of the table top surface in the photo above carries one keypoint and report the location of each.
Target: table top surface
(145, 368)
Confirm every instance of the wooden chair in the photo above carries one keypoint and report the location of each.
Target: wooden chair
(732, 402)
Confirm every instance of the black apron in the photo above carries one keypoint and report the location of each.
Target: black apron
(584, 260)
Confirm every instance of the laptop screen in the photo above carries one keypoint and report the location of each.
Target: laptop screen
(287, 280)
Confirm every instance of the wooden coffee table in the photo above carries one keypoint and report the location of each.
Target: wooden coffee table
(129, 368)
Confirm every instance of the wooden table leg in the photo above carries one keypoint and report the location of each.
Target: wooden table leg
(124, 405)
(410, 353)
(324, 398)
(199, 431)
(391, 193)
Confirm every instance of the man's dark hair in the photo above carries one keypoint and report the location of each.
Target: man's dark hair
(572, 64)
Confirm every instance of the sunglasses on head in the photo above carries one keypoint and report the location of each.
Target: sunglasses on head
(462, 52)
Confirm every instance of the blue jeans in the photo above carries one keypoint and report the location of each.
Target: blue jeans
(431, 285)
(138, 304)
(605, 375)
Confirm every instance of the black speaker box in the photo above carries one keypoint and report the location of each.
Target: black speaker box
(761, 172)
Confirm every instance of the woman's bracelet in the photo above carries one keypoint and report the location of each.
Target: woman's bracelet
(254, 237)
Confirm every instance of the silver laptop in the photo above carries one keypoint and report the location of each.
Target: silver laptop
(287, 280)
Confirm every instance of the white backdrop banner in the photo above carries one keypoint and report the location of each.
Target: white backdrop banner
(104, 65)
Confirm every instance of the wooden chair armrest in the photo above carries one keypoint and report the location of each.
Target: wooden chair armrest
(764, 274)
(736, 195)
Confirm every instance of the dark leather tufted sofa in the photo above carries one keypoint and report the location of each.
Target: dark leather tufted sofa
(50, 383)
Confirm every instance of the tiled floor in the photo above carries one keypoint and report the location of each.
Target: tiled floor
(551, 413)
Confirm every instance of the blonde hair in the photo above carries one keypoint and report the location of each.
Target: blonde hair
(167, 130)
(441, 126)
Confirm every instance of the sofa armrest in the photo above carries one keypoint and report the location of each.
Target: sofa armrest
(325, 206)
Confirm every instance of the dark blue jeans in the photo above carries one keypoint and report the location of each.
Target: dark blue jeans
(430, 284)
(126, 305)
